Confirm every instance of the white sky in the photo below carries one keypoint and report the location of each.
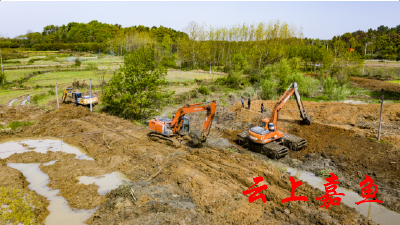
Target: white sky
(319, 19)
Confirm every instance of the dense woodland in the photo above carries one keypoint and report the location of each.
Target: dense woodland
(242, 47)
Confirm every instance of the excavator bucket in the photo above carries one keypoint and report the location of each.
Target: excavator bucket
(307, 119)
(196, 138)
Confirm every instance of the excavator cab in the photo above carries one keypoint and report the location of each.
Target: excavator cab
(76, 96)
(185, 126)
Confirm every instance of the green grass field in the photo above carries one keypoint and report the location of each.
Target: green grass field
(395, 81)
(63, 78)
(182, 76)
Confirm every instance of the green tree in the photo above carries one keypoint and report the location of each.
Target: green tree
(136, 92)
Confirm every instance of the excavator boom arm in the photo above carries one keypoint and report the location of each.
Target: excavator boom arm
(285, 97)
(211, 108)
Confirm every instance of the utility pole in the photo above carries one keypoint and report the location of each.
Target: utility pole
(91, 109)
(2, 71)
(380, 122)
(365, 48)
(58, 104)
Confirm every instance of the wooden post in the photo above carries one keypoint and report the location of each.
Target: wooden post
(380, 121)
(2, 71)
(91, 108)
(58, 104)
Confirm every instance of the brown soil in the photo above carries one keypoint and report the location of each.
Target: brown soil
(36, 157)
(169, 185)
(375, 85)
(348, 133)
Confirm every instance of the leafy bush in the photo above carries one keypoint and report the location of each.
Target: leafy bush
(307, 85)
(329, 84)
(135, 91)
(268, 88)
(204, 90)
(215, 88)
(77, 62)
(340, 93)
(16, 124)
(51, 92)
(37, 98)
(92, 66)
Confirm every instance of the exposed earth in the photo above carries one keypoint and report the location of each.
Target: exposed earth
(204, 185)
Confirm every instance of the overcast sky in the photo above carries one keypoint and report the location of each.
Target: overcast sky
(319, 19)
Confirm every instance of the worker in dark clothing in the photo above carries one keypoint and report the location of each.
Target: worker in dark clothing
(242, 102)
(262, 107)
(248, 102)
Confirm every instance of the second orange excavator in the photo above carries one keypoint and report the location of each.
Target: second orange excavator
(165, 130)
(267, 139)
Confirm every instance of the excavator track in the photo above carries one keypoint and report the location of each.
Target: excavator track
(274, 149)
(294, 143)
(171, 141)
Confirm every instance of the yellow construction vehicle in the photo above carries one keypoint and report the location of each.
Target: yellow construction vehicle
(77, 97)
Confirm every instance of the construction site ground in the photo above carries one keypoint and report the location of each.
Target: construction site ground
(204, 185)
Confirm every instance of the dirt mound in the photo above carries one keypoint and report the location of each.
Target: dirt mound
(375, 85)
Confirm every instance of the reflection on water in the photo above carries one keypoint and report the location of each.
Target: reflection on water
(60, 213)
(374, 211)
(106, 182)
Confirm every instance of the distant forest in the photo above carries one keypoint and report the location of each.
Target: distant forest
(249, 47)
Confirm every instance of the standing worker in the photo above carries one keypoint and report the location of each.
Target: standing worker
(248, 102)
(29, 99)
(242, 102)
(262, 107)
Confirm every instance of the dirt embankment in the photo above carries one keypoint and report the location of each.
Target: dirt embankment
(375, 85)
(347, 135)
(183, 185)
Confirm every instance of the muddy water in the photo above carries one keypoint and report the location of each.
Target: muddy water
(60, 213)
(12, 101)
(40, 145)
(106, 182)
(374, 211)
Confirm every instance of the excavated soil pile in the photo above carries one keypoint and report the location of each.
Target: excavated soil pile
(375, 85)
(362, 119)
(170, 185)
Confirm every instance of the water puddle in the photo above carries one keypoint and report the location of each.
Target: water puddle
(374, 211)
(40, 145)
(106, 182)
(12, 101)
(60, 213)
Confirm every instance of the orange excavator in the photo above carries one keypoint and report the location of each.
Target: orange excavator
(267, 139)
(166, 130)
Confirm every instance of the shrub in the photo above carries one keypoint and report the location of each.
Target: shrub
(268, 88)
(340, 93)
(51, 92)
(204, 90)
(77, 62)
(92, 66)
(37, 98)
(16, 124)
(329, 84)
